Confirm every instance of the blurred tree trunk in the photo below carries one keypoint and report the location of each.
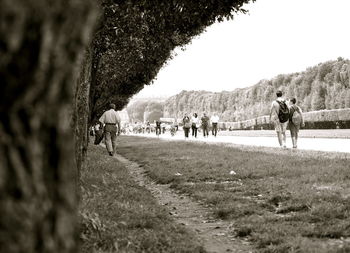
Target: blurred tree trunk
(81, 111)
(84, 101)
(40, 46)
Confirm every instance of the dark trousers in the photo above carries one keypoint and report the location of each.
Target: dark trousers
(205, 130)
(214, 129)
(158, 131)
(186, 130)
(194, 131)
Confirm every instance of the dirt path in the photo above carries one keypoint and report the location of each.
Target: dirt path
(214, 234)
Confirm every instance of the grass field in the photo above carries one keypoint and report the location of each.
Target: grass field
(281, 200)
(304, 133)
(119, 216)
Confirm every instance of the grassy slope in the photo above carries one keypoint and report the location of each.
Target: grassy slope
(119, 216)
(283, 200)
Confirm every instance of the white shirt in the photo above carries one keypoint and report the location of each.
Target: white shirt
(214, 119)
(195, 120)
(110, 117)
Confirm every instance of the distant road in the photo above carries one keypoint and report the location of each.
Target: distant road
(320, 140)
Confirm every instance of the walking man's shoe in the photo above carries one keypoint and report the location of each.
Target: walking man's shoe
(110, 153)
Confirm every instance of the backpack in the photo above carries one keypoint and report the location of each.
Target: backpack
(296, 117)
(283, 113)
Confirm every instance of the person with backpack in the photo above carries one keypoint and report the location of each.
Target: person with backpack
(295, 121)
(279, 116)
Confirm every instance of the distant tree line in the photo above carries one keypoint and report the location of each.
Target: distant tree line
(325, 86)
(147, 110)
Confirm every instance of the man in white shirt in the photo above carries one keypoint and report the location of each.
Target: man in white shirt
(214, 123)
(111, 120)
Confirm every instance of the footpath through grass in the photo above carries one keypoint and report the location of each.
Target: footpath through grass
(282, 200)
(119, 216)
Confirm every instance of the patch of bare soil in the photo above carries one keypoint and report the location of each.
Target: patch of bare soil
(216, 235)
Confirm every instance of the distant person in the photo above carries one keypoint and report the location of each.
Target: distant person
(176, 124)
(205, 125)
(279, 116)
(111, 119)
(158, 127)
(214, 123)
(186, 125)
(296, 120)
(97, 126)
(148, 127)
(195, 124)
(173, 128)
(99, 134)
(92, 131)
(135, 128)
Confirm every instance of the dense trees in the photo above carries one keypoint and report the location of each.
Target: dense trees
(135, 38)
(325, 86)
(153, 111)
(145, 110)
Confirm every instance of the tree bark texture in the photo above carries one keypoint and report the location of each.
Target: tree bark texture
(81, 111)
(41, 42)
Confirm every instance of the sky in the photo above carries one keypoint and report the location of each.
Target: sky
(276, 37)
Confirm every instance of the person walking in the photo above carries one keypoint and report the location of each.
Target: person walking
(186, 125)
(111, 120)
(195, 124)
(158, 127)
(99, 134)
(296, 120)
(148, 127)
(279, 116)
(205, 125)
(214, 123)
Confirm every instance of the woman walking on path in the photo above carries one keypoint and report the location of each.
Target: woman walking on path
(195, 125)
(295, 120)
(214, 122)
(186, 125)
